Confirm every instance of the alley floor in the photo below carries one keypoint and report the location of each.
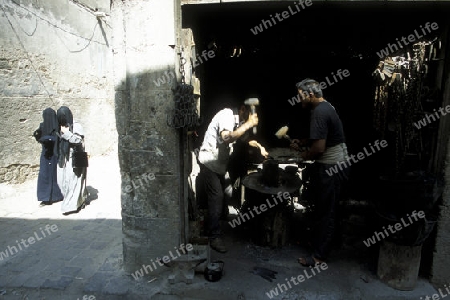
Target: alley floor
(79, 256)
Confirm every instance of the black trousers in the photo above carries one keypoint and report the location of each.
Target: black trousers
(325, 194)
(210, 187)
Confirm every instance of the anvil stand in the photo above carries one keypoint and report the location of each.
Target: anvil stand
(261, 188)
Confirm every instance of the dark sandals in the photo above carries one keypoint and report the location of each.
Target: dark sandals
(309, 262)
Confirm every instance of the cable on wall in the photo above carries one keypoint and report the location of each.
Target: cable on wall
(85, 46)
(56, 26)
(24, 31)
(28, 57)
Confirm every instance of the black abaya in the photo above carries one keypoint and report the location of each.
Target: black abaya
(47, 187)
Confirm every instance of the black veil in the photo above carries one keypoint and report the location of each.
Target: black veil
(50, 124)
(65, 118)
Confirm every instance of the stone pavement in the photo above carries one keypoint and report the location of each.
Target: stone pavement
(80, 256)
(63, 257)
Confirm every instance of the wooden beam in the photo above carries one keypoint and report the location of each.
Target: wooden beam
(185, 2)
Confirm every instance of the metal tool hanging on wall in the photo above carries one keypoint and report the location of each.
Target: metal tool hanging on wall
(398, 100)
(185, 113)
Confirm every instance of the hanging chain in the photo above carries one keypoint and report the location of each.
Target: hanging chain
(182, 63)
(185, 113)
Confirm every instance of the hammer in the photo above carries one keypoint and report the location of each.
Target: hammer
(252, 102)
(282, 133)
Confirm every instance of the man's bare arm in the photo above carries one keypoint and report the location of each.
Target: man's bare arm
(255, 144)
(315, 151)
(231, 136)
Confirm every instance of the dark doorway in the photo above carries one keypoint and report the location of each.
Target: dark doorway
(315, 42)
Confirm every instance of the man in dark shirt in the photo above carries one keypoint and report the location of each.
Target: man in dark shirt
(326, 148)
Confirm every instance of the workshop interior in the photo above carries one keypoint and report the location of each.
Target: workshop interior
(390, 85)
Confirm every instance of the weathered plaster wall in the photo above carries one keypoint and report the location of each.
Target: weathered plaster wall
(441, 257)
(144, 36)
(53, 53)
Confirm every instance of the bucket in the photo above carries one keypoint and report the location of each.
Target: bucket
(214, 271)
(398, 266)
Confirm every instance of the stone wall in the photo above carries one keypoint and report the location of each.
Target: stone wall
(441, 257)
(53, 53)
(144, 57)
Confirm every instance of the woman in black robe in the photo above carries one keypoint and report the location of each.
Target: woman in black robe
(48, 190)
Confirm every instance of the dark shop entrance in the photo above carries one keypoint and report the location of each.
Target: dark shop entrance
(357, 50)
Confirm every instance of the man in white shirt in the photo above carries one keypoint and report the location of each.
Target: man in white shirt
(223, 130)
